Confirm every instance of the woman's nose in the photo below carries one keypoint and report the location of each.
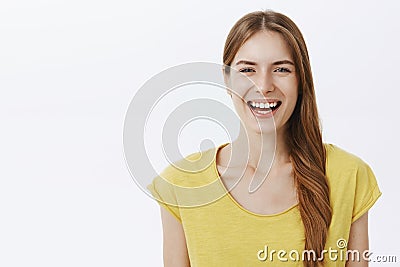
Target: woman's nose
(264, 84)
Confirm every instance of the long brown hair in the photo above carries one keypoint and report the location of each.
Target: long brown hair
(303, 136)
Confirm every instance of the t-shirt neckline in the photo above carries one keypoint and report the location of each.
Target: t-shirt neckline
(233, 200)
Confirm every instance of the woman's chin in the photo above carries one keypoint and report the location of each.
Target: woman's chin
(255, 125)
(265, 128)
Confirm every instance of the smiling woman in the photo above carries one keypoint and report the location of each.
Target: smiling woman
(266, 60)
(308, 195)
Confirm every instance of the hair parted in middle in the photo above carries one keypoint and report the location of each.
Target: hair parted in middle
(303, 132)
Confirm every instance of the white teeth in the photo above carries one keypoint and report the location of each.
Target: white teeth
(263, 105)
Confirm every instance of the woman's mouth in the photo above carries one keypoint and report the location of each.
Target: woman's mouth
(264, 109)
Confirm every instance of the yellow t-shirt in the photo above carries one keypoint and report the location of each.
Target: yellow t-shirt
(220, 232)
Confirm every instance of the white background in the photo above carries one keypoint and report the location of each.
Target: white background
(68, 70)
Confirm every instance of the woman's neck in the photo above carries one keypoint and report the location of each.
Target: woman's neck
(259, 151)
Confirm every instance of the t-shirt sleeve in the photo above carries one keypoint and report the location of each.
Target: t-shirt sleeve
(366, 192)
(163, 190)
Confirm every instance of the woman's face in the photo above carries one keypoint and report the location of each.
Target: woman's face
(263, 82)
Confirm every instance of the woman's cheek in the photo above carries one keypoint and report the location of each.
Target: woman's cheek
(240, 84)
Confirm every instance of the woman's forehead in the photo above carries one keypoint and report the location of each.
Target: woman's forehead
(264, 46)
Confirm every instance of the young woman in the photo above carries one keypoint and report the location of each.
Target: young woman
(310, 201)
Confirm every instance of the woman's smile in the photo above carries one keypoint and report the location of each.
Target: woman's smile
(265, 108)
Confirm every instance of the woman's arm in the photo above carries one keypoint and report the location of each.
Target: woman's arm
(174, 244)
(358, 240)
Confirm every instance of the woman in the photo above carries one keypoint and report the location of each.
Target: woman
(298, 202)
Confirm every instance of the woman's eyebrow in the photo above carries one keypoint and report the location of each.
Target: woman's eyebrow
(281, 62)
(245, 62)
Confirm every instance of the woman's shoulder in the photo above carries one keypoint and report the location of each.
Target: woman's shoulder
(345, 167)
(188, 182)
(340, 159)
(192, 170)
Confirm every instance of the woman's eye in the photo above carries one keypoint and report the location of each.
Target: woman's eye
(246, 70)
(282, 69)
